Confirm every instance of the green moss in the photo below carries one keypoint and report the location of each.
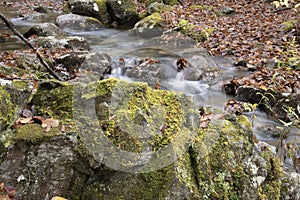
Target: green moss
(201, 7)
(270, 189)
(54, 99)
(7, 109)
(289, 25)
(219, 150)
(34, 133)
(104, 16)
(190, 30)
(171, 2)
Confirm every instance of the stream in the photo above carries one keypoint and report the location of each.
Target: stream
(120, 43)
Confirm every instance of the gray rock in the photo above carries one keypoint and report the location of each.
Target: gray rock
(70, 42)
(45, 29)
(157, 7)
(78, 23)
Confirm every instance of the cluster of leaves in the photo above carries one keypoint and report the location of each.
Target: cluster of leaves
(255, 33)
(28, 5)
(283, 80)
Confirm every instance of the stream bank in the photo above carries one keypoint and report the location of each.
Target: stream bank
(84, 174)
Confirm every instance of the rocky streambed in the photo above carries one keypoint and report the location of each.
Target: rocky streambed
(146, 133)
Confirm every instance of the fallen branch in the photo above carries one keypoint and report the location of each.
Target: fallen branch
(11, 26)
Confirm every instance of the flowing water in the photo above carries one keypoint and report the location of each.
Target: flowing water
(120, 43)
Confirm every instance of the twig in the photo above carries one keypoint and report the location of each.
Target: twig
(11, 26)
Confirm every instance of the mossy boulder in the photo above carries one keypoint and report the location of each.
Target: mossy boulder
(150, 26)
(228, 165)
(124, 12)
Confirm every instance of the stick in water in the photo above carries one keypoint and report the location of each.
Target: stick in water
(11, 26)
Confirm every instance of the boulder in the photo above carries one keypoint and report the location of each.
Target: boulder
(45, 29)
(129, 141)
(91, 8)
(75, 22)
(124, 12)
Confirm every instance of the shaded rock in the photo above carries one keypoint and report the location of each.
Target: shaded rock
(124, 12)
(78, 23)
(92, 8)
(13, 96)
(272, 102)
(45, 29)
(151, 26)
(91, 65)
(70, 42)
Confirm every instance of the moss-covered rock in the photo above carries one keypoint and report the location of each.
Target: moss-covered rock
(105, 18)
(228, 167)
(54, 99)
(13, 96)
(150, 26)
(124, 12)
(187, 28)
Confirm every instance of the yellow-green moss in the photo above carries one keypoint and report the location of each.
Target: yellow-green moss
(190, 30)
(201, 7)
(34, 133)
(54, 99)
(7, 109)
(102, 6)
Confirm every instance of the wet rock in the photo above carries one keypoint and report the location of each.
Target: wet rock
(286, 108)
(78, 23)
(45, 29)
(70, 42)
(124, 12)
(36, 17)
(72, 60)
(91, 8)
(151, 26)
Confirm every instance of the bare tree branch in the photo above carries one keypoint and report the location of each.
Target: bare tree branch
(11, 26)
